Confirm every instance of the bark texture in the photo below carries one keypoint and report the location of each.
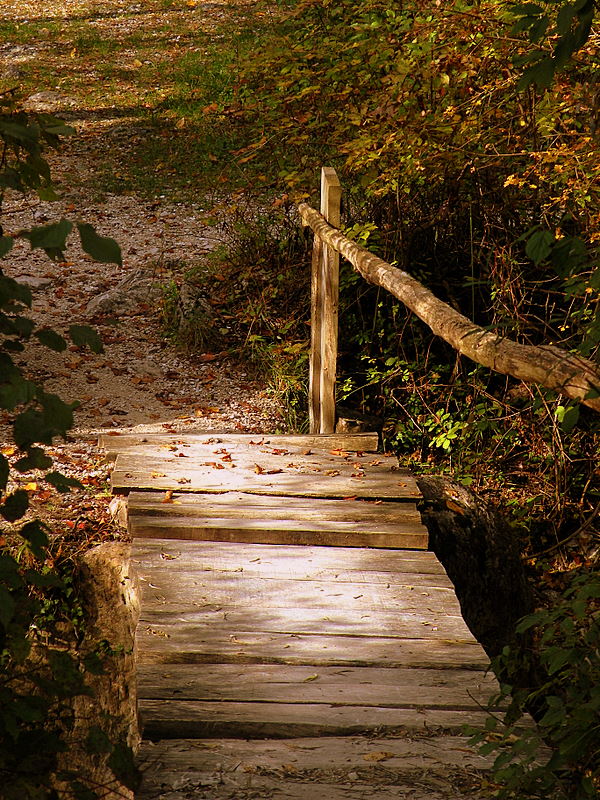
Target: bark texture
(481, 556)
(547, 365)
(111, 603)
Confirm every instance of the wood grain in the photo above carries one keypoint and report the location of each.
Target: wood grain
(162, 645)
(389, 688)
(114, 442)
(261, 469)
(191, 719)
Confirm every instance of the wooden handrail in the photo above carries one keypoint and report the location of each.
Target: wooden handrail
(547, 365)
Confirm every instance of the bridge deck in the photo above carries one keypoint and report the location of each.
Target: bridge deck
(294, 671)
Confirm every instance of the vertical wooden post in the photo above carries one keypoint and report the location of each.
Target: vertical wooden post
(325, 283)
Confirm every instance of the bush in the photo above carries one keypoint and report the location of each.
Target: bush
(40, 615)
(553, 673)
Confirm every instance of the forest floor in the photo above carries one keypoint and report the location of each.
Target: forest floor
(83, 62)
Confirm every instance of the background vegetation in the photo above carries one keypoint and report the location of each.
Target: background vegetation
(466, 138)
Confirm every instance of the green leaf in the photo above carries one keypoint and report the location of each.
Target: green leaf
(97, 741)
(51, 339)
(44, 580)
(565, 18)
(122, 763)
(15, 505)
(4, 472)
(36, 537)
(12, 290)
(9, 571)
(540, 73)
(36, 458)
(83, 335)
(51, 238)
(539, 246)
(6, 243)
(61, 482)
(100, 248)
(568, 417)
(57, 413)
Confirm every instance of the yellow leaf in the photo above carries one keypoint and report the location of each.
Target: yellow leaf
(311, 678)
(30, 487)
(378, 755)
(137, 63)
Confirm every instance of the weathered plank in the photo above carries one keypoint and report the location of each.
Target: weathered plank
(423, 768)
(274, 471)
(402, 624)
(297, 757)
(220, 786)
(158, 645)
(166, 584)
(114, 443)
(286, 509)
(298, 563)
(268, 532)
(350, 686)
(188, 719)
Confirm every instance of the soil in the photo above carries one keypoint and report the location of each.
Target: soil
(142, 381)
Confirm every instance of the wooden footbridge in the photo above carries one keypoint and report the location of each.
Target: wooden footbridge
(296, 639)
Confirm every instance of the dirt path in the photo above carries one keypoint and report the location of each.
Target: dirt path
(140, 379)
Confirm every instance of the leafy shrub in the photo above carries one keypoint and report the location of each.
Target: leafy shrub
(40, 616)
(553, 672)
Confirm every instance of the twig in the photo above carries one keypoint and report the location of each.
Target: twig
(585, 524)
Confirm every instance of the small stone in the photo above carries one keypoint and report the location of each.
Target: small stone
(33, 282)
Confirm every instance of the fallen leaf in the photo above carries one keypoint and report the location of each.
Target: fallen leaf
(452, 506)
(311, 678)
(154, 474)
(378, 755)
(168, 498)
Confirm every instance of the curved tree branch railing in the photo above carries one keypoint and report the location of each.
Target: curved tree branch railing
(547, 365)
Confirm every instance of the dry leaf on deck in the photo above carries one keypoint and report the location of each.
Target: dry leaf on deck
(378, 755)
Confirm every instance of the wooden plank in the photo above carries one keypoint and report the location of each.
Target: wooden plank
(238, 785)
(265, 531)
(196, 719)
(170, 585)
(386, 688)
(259, 456)
(349, 768)
(114, 442)
(300, 563)
(236, 516)
(329, 478)
(300, 756)
(248, 506)
(158, 646)
(399, 624)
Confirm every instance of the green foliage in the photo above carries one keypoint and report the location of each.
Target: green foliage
(560, 648)
(39, 675)
(557, 30)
